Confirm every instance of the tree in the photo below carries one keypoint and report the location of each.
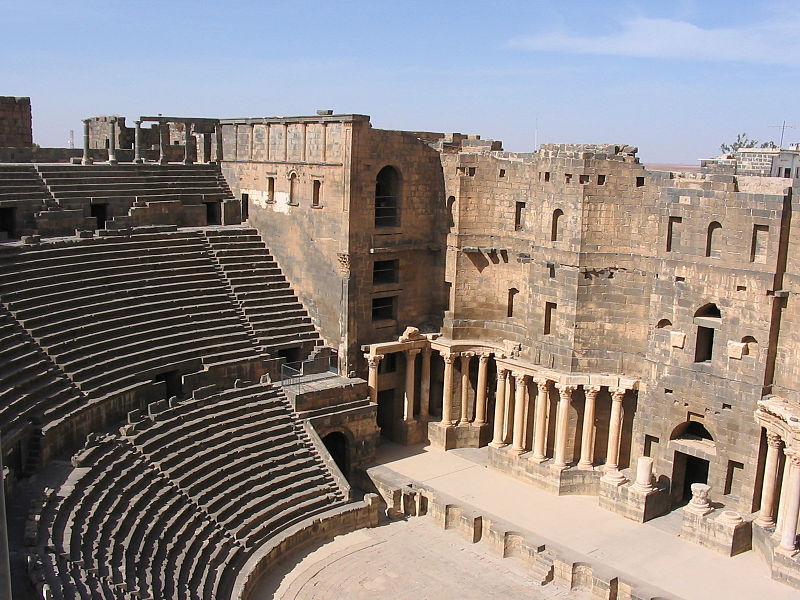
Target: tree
(742, 141)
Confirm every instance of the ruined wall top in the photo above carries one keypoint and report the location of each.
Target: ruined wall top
(15, 122)
(597, 151)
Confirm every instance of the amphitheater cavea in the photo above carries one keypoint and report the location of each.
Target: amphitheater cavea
(304, 357)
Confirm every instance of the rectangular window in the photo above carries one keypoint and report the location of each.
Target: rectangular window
(519, 207)
(735, 469)
(673, 235)
(502, 172)
(639, 181)
(99, 212)
(471, 171)
(510, 307)
(546, 176)
(705, 344)
(385, 271)
(650, 444)
(758, 247)
(384, 309)
(583, 178)
(567, 177)
(549, 317)
(316, 196)
(601, 180)
(245, 206)
(270, 189)
(448, 289)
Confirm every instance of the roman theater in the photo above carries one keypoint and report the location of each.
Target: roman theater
(230, 345)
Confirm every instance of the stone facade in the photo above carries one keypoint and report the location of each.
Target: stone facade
(15, 122)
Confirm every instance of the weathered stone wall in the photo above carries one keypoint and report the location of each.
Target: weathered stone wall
(15, 121)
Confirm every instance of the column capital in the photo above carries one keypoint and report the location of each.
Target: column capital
(591, 390)
(774, 440)
(793, 455)
(617, 393)
(413, 351)
(373, 359)
(543, 383)
(468, 354)
(449, 357)
(520, 377)
(427, 350)
(503, 371)
(565, 390)
(484, 357)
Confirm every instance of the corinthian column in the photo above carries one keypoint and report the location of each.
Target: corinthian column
(137, 142)
(480, 394)
(87, 159)
(373, 360)
(408, 404)
(465, 357)
(447, 392)
(520, 406)
(564, 397)
(789, 531)
(540, 419)
(587, 437)
(766, 516)
(499, 408)
(425, 385)
(112, 143)
(613, 474)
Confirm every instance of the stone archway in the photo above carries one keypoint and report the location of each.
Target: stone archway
(694, 449)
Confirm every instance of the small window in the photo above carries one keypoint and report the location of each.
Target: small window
(673, 233)
(546, 176)
(518, 216)
(316, 197)
(270, 189)
(555, 226)
(471, 171)
(448, 290)
(639, 181)
(735, 471)
(502, 172)
(704, 349)
(511, 295)
(293, 189)
(567, 177)
(584, 179)
(664, 324)
(758, 247)
(384, 309)
(601, 180)
(387, 198)
(713, 236)
(385, 271)
(549, 317)
(99, 212)
(245, 206)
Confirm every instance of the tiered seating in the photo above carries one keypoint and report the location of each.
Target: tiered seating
(31, 386)
(71, 184)
(174, 508)
(22, 182)
(276, 315)
(115, 312)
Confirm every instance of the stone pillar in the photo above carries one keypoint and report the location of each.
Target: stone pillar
(408, 398)
(112, 142)
(499, 408)
(540, 419)
(699, 503)
(520, 404)
(137, 142)
(218, 134)
(587, 437)
(644, 474)
(564, 397)
(447, 392)
(465, 356)
(163, 136)
(480, 393)
(613, 474)
(425, 385)
(789, 531)
(87, 159)
(787, 469)
(187, 157)
(373, 360)
(766, 516)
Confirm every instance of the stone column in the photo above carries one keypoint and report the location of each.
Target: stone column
(564, 397)
(587, 437)
(447, 392)
(112, 142)
(465, 356)
(163, 136)
(218, 135)
(408, 398)
(520, 404)
(766, 516)
(540, 419)
(373, 360)
(87, 159)
(787, 468)
(425, 385)
(480, 393)
(187, 157)
(499, 408)
(644, 474)
(789, 531)
(137, 142)
(612, 474)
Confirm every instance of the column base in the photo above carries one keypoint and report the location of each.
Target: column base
(614, 477)
(557, 467)
(587, 466)
(113, 161)
(537, 460)
(87, 161)
(497, 444)
(765, 523)
(138, 161)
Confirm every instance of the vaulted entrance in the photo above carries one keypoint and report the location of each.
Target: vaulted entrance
(694, 447)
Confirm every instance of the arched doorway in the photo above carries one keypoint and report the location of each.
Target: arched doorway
(694, 447)
(337, 445)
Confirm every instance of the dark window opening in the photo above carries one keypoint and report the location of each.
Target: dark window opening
(735, 470)
(639, 181)
(758, 246)
(290, 355)
(386, 411)
(213, 213)
(510, 309)
(549, 317)
(787, 172)
(713, 239)
(245, 206)
(518, 215)
(448, 289)
(547, 176)
(293, 189)
(336, 444)
(384, 309)
(316, 197)
(650, 444)
(502, 172)
(583, 179)
(172, 383)
(8, 221)
(471, 171)
(385, 271)
(270, 189)
(551, 270)
(672, 233)
(100, 213)
(567, 177)
(387, 198)
(555, 227)
(601, 180)
(704, 348)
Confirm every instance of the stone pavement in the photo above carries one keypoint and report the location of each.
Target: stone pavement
(651, 552)
(411, 560)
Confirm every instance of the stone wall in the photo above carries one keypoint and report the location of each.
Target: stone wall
(15, 121)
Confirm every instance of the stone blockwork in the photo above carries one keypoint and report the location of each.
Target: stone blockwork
(15, 122)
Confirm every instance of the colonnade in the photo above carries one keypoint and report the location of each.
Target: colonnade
(509, 426)
(781, 513)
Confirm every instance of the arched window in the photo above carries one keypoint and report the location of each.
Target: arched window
(710, 310)
(707, 318)
(664, 324)
(555, 228)
(691, 430)
(387, 198)
(713, 239)
(293, 188)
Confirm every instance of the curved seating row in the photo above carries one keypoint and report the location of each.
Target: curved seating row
(175, 505)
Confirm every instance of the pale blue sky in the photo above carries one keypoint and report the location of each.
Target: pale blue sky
(675, 78)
